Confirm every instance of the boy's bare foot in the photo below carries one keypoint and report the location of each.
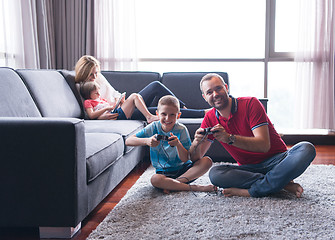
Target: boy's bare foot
(152, 118)
(200, 188)
(229, 192)
(294, 188)
(166, 191)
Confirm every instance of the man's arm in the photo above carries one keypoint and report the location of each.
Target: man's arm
(260, 142)
(200, 145)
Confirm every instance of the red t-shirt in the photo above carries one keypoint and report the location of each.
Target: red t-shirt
(96, 104)
(247, 113)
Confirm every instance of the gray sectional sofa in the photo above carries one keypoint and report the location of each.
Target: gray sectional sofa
(56, 165)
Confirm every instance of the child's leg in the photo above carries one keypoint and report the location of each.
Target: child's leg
(170, 184)
(198, 169)
(135, 100)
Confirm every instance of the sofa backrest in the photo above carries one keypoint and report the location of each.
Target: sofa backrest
(186, 86)
(16, 100)
(51, 93)
(130, 81)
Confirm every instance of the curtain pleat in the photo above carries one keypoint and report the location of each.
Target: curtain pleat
(71, 31)
(315, 65)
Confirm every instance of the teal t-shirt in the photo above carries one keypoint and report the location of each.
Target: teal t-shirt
(164, 157)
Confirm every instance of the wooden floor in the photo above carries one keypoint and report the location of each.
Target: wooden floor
(325, 155)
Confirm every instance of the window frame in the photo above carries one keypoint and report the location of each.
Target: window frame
(270, 54)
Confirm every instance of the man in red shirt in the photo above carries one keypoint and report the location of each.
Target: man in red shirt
(243, 128)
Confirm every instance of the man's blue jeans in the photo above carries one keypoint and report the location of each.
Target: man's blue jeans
(267, 177)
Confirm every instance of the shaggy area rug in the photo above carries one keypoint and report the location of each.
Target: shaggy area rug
(147, 213)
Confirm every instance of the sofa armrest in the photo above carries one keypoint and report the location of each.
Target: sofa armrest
(43, 172)
(264, 101)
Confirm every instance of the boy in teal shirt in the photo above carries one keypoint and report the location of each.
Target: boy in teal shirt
(169, 142)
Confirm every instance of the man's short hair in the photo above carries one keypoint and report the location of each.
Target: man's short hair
(169, 100)
(208, 77)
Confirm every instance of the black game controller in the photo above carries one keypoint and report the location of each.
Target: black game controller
(160, 137)
(207, 131)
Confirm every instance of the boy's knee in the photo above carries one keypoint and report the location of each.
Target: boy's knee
(155, 180)
(207, 161)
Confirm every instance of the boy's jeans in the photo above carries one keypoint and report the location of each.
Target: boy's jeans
(269, 176)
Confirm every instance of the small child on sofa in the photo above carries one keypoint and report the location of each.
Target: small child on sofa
(169, 142)
(94, 105)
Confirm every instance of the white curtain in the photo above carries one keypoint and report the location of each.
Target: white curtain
(26, 37)
(315, 65)
(115, 34)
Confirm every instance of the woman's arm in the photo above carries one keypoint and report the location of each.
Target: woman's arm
(106, 90)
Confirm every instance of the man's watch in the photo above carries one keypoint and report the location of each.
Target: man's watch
(231, 139)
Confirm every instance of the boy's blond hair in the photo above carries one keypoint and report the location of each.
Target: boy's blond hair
(168, 100)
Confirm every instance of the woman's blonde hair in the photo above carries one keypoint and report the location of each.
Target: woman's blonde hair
(84, 67)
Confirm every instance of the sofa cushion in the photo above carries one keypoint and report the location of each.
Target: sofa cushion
(178, 82)
(130, 81)
(69, 77)
(16, 100)
(125, 128)
(52, 94)
(102, 150)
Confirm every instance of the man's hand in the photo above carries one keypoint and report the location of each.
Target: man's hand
(199, 136)
(220, 133)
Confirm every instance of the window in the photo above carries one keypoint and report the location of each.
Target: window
(253, 41)
(200, 29)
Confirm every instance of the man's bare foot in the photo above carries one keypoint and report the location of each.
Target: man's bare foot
(294, 188)
(152, 118)
(229, 192)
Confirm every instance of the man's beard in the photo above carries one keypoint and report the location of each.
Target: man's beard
(224, 102)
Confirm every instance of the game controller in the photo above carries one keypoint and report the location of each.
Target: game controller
(207, 131)
(160, 137)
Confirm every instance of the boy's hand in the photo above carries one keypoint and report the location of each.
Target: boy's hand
(173, 140)
(152, 141)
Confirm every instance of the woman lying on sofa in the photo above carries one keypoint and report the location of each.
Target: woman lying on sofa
(88, 69)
